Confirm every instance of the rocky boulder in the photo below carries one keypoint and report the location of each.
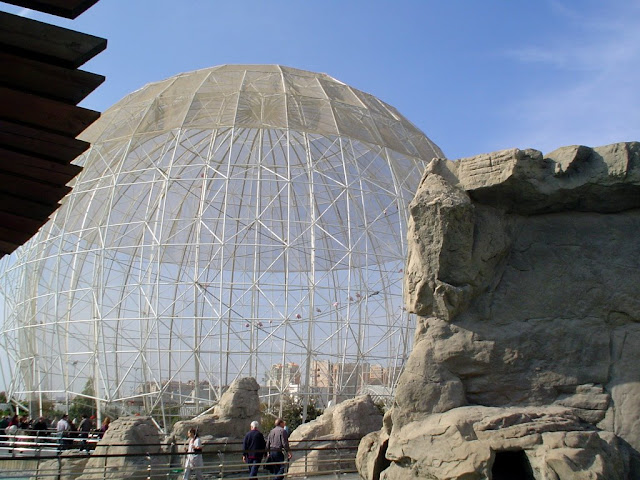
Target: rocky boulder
(371, 457)
(328, 442)
(524, 270)
(476, 443)
(136, 436)
(231, 417)
(69, 465)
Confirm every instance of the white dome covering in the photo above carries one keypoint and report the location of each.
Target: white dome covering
(241, 220)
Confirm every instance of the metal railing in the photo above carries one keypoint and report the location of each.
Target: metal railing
(50, 457)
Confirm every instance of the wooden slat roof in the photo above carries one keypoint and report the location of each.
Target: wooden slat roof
(61, 8)
(40, 87)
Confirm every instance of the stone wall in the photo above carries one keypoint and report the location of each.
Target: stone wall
(524, 271)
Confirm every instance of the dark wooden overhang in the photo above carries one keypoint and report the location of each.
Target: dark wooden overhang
(40, 87)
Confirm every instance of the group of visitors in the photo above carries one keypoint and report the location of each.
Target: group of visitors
(254, 449)
(65, 430)
(274, 449)
(10, 425)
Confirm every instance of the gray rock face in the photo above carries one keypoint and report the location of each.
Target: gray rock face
(468, 443)
(371, 455)
(338, 429)
(524, 270)
(128, 435)
(238, 407)
(69, 464)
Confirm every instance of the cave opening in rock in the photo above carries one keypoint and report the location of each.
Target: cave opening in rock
(511, 465)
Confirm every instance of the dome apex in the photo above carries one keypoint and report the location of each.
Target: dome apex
(262, 96)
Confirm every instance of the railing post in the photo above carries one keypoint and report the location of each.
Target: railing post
(148, 466)
(59, 467)
(106, 456)
(221, 457)
(339, 458)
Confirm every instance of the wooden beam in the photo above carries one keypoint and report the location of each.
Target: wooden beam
(12, 236)
(23, 187)
(31, 140)
(52, 115)
(7, 247)
(60, 8)
(57, 83)
(47, 43)
(40, 87)
(21, 224)
(26, 208)
(36, 167)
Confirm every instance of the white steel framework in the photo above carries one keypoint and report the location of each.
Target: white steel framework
(233, 221)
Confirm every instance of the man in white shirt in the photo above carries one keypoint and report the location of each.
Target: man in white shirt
(62, 428)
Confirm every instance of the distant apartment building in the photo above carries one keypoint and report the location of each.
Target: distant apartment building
(321, 374)
(378, 375)
(348, 379)
(283, 377)
(336, 382)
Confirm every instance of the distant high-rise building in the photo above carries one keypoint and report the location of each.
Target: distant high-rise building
(378, 375)
(283, 376)
(321, 374)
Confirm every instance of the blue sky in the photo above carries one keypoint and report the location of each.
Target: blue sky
(475, 76)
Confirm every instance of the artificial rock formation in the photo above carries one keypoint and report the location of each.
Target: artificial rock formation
(326, 443)
(136, 436)
(231, 417)
(468, 442)
(70, 464)
(524, 271)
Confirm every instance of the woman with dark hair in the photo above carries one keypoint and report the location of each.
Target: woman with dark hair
(194, 455)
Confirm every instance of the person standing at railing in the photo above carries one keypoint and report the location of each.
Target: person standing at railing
(4, 423)
(193, 458)
(24, 423)
(62, 429)
(105, 426)
(253, 449)
(86, 425)
(277, 446)
(14, 422)
(40, 427)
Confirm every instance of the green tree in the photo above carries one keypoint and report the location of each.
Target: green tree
(48, 408)
(291, 413)
(84, 404)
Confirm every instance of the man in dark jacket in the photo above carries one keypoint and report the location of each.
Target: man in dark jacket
(277, 445)
(253, 449)
(86, 425)
(40, 427)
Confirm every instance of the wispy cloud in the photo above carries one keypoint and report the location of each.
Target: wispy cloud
(593, 93)
(25, 12)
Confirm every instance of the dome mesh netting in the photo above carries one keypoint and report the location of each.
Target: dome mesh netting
(233, 221)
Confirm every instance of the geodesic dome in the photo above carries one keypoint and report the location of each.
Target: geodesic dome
(233, 221)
